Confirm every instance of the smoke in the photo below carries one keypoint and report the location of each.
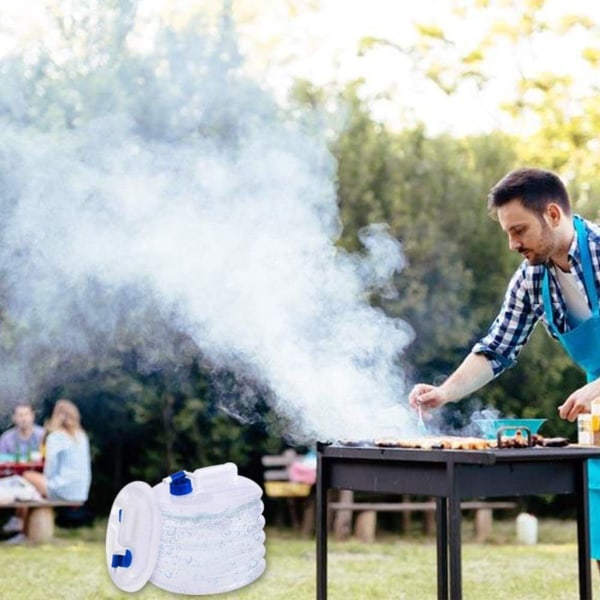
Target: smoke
(143, 194)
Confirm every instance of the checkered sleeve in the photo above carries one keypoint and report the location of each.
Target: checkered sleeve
(512, 327)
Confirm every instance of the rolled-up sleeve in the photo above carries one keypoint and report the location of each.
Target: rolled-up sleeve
(511, 328)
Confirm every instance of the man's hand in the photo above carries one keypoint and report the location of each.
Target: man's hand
(579, 401)
(474, 372)
(427, 396)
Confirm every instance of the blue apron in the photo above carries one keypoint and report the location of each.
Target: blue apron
(582, 344)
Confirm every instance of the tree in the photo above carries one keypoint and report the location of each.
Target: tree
(149, 425)
(113, 346)
(432, 193)
(507, 55)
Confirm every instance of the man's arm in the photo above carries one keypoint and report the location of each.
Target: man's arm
(494, 353)
(580, 401)
(473, 373)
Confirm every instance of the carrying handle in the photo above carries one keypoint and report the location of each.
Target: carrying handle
(217, 474)
(522, 428)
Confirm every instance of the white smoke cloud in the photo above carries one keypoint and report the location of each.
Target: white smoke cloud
(186, 197)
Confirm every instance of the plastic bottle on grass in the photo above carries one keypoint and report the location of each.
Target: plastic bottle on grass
(527, 529)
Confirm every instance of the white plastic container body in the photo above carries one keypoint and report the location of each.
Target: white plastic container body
(527, 529)
(212, 539)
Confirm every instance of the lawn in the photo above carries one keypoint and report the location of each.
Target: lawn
(396, 567)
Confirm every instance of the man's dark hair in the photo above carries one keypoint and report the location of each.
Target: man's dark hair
(534, 188)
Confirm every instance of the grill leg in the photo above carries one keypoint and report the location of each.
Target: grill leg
(454, 544)
(583, 534)
(321, 527)
(441, 519)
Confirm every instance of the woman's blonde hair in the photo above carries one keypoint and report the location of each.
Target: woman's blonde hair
(65, 416)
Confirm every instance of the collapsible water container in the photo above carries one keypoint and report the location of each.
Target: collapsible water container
(193, 533)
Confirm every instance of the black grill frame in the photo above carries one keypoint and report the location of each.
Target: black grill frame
(450, 476)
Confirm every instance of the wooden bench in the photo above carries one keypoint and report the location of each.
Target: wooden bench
(298, 495)
(366, 519)
(39, 524)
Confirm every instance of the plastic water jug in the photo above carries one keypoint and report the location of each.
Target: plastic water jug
(193, 533)
(527, 529)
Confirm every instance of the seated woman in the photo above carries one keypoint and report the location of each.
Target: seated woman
(67, 467)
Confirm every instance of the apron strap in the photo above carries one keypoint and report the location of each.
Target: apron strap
(548, 302)
(586, 264)
(588, 277)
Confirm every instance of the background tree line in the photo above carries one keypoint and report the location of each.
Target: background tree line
(431, 192)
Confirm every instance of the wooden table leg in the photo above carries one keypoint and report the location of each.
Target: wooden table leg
(39, 524)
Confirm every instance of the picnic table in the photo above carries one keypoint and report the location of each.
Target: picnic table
(11, 467)
(39, 525)
(291, 476)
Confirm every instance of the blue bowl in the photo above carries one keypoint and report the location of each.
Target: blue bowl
(489, 427)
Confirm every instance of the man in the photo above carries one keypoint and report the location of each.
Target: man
(25, 437)
(558, 283)
(20, 442)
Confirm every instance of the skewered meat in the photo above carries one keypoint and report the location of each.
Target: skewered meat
(518, 440)
(433, 442)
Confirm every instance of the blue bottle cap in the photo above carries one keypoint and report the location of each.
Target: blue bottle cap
(180, 484)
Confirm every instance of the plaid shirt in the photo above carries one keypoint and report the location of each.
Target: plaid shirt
(523, 306)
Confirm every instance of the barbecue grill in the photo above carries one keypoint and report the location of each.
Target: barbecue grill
(451, 476)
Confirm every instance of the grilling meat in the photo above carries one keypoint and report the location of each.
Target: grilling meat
(554, 442)
(470, 443)
(518, 440)
(432, 442)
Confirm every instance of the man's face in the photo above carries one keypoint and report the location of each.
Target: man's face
(23, 418)
(533, 238)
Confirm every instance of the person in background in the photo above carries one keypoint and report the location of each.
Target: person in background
(22, 443)
(558, 283)
(67, 467)
(25, 437)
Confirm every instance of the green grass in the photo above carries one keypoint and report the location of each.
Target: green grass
(394, 568)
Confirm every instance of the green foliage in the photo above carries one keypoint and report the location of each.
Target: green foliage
(458, 262)
(431, 191)
(145, 426)
(432, 194)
